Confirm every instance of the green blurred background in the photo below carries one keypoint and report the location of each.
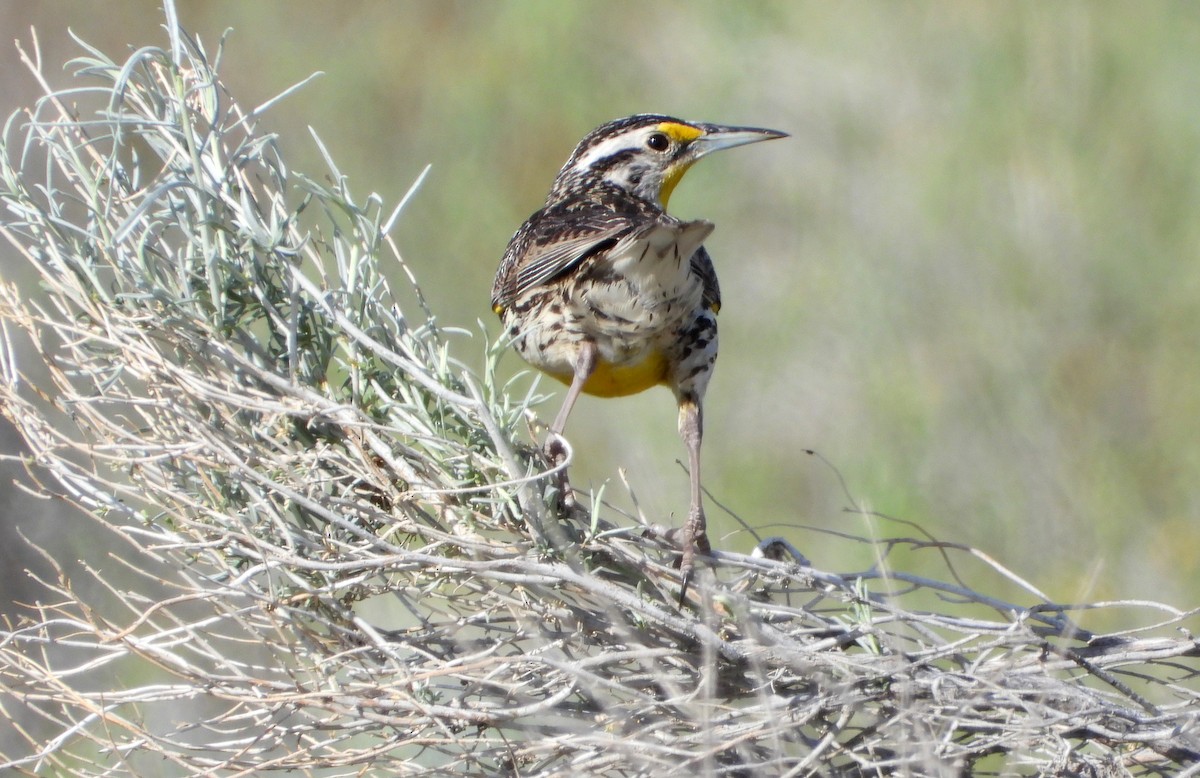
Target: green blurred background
(969, 280)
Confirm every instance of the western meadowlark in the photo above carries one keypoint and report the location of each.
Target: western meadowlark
(605, 291)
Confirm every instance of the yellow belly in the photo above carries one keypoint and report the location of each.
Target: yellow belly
(611, 380)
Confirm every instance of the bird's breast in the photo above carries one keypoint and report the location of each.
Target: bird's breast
(611, 379)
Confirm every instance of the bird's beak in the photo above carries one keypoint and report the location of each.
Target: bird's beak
(712, 137)
(716, 137)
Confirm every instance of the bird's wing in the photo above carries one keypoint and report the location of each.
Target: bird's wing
(555, 241)
(550, 262)
(549, 246)
(702, 265)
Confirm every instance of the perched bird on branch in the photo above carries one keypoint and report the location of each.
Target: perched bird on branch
(605, 291)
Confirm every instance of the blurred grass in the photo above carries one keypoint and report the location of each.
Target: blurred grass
(969, 279)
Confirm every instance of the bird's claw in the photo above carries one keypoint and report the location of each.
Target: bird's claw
(556, 452)
(691, 539)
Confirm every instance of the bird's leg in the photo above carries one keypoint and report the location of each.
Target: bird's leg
(694, 537)
(556, 451)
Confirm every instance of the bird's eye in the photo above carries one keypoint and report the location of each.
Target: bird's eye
(658, 142)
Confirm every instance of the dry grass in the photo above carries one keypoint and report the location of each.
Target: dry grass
(360, 568)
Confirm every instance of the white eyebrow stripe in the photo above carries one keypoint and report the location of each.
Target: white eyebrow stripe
(606, 148)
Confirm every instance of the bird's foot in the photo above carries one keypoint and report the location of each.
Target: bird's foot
(691, 539)
(557, 452)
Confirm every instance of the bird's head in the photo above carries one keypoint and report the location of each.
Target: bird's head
(647, 154)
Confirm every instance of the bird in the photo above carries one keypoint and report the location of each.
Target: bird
(606, 292)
